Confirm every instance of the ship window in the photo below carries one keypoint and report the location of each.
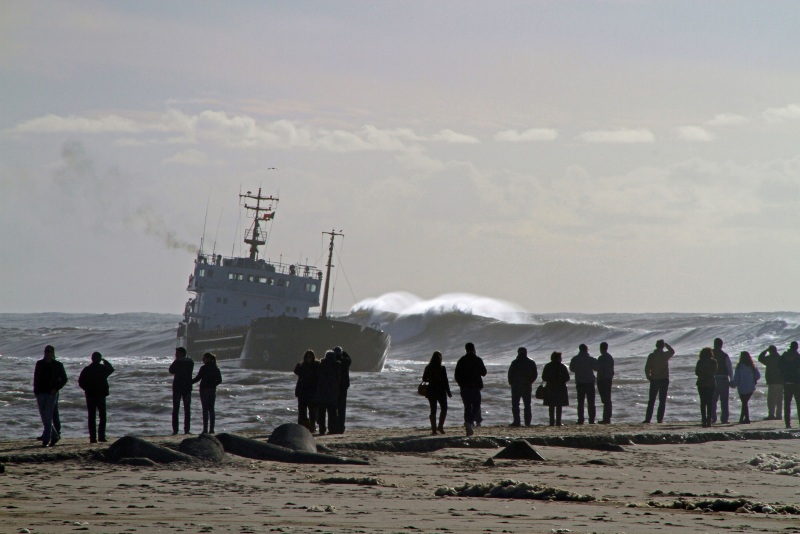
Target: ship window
(240, 277)
(251, 278)
(311, 288)
(271, 282)
(262, 279)
(231, 276)
(201, 272)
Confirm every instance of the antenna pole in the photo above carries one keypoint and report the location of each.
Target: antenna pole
(323, 314)
(255, 237)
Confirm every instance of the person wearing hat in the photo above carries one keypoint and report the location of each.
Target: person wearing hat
(93, 380)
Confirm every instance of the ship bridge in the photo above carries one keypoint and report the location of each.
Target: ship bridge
(232, 291)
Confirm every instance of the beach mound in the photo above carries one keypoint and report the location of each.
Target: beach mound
(135, 447)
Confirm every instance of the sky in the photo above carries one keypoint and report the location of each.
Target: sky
(563, 156)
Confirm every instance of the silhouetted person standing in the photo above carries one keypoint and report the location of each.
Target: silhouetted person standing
(469, 374)
(435, 375)
(93, 380)
(583, 366)
(49, 377)
(656, 369)
(209, 377)
(722, 381)
(327, 400)
(605, 374)
(182, 368)
(522, 373)
(705, 369)
(770, 358)
(790, 370)
(306, 389)
(344, 384)
(556, 375)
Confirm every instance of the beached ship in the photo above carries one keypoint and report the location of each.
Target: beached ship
(258, 311)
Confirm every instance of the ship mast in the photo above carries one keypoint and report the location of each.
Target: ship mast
(255, 237)
(323, 314)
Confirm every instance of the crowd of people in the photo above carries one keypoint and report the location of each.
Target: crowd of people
(716, 376)
(322, 387)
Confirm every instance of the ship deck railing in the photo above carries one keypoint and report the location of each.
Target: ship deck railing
(293, 269)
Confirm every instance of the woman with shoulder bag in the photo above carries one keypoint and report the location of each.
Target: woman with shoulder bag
(438, 390)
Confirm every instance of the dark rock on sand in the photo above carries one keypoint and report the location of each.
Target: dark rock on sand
(293, 436)
(205, 446)
(519, 449)
(257, 450)
(135, 447)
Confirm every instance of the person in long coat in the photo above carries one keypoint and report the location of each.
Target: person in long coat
(744, 380)
(306, 390)
(435, 375)
(327, 398)
(556, 375)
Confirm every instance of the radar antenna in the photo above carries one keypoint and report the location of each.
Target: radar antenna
(263, 211)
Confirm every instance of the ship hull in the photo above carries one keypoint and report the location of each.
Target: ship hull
(225, 344)
(278, 343)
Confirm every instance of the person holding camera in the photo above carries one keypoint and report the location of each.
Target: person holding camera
(93, 380)
(656, 369)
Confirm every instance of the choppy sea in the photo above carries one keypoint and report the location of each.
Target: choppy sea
(141, 347)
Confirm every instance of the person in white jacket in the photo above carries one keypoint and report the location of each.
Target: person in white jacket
(744, 380)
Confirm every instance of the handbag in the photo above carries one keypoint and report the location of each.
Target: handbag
(422, 389)
(540, 392)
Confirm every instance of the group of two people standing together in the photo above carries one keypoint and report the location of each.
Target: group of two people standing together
(50, 377)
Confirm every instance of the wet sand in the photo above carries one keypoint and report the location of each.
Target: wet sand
(65, 489)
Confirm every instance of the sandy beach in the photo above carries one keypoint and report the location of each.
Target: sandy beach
(634, 489)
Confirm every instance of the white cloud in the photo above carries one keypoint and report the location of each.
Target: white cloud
(449, 136)
(727, 119)
(695, 134)
(790, 112)
(532, 134)
(618, 136)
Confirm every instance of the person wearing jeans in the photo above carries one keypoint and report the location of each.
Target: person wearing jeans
(656, 369)
(469, 374)
(49, 377)
(722, 383)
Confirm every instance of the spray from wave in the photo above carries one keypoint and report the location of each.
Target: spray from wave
(402, 303)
